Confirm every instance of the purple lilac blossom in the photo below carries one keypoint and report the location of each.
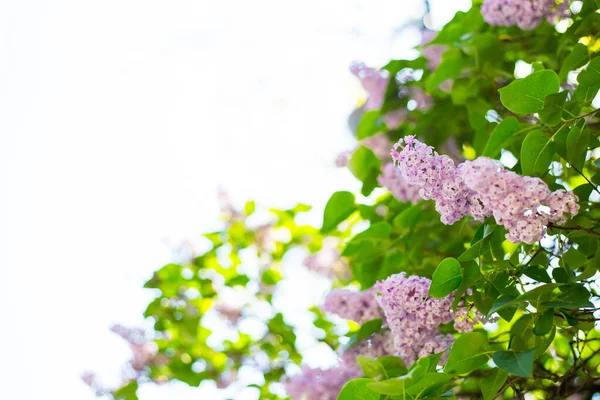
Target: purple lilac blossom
(320, 384)
(433, 53)
(437, 178)
(356, 306)
(379, 144)
(373, 81)
(526, 14)
(328, 261)
(414, 318)
(395, 118)
(483, 188)
(391, 178)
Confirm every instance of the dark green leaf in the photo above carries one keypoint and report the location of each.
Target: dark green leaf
(516, 363)
(537, 273)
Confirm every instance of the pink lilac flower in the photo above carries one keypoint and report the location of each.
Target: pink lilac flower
(328, 261)
(320, 384)
(432, 53)
(414, 318)
(373, 81)
(143, 352)
(526, 14)
(342, 159)
(391, 178)
(356, 306)
(395, 118)
(423, 100)
(436, 176)
(379, 144)
(483, 188)
(230, 312)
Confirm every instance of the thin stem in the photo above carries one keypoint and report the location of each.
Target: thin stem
(594, 111)
(573, 228)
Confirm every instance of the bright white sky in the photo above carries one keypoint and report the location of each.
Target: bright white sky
(118, 120)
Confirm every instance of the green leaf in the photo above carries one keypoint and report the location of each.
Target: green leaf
(551, 114)
(577, 144)
(127, 392)
(516, 363)
(394, 366)
(366, 330)
(534, 297)
(504, 131)
(428, 384)
(356, 389)
(446, 278)
(370, 123)
(576, 59)
(394, 386)
(453, 62)
(339, 207)
(362, 163)
(574, 258)
(501, 303)
(492, 383)
(536, 153)
(590, 76)
(478, 247)
(370, 367)
(573, 296)
(468, 353)
(409, 217)
(526, 96)
(537, 273)
(544, 323)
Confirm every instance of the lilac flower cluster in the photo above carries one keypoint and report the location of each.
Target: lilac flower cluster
(437, 178)
(320, 384)
(526, 14)
(413, 317)
(483, 188)
(391, 178)
(356, 306)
